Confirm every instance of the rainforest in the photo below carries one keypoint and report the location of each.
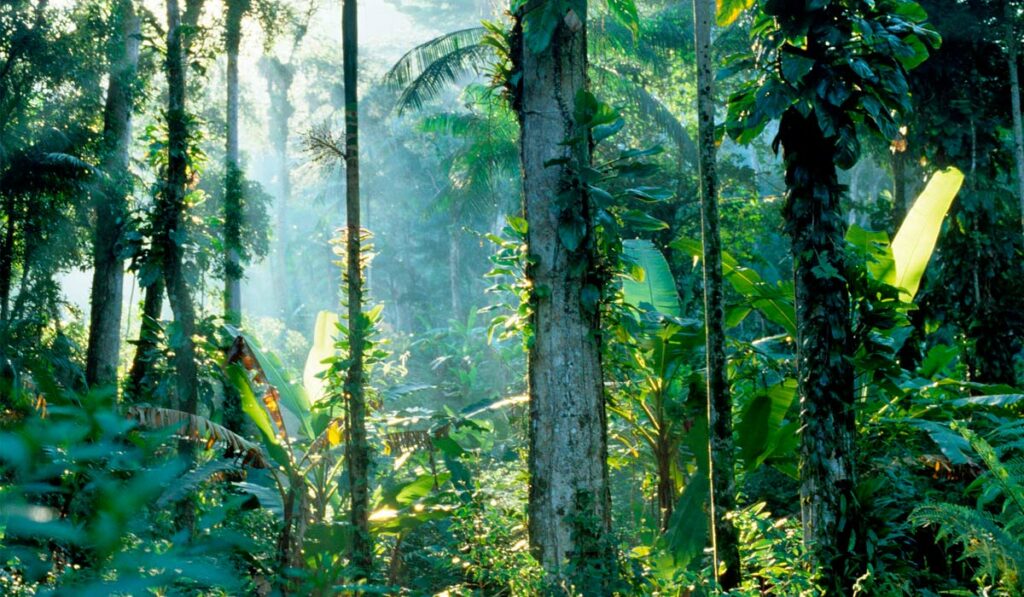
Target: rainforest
(511, 298)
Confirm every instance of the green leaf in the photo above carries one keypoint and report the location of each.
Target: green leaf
(914, 243)
(658, 287)
(421, 487)
(729, 10)
(687, 533)
(642, 221)
(624, 11)
(774, 302)
(293, 397)
(322, 349)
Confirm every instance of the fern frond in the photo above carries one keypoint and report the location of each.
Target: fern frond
(1000, 554)
(194, 478)
(1010, 486)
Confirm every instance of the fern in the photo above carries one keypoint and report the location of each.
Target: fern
(995, 542)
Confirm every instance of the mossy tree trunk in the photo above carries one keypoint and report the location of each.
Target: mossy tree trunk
(107, 293)
(357, 449)
(233, 176)
(814, 221)
(170, 230)
(725, 540)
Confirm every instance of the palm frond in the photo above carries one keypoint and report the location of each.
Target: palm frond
(199, 429)
(412, 64)
(426, 70)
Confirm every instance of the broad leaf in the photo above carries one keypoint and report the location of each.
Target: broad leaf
(914, 243)
(322, 349)
(730, 10)
(657, 287)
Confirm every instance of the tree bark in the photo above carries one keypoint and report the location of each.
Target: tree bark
(724, 538)
(569, 501)
(1013, 55)
(815, 224)
(233, 176)
(357, 449)
(107, 294)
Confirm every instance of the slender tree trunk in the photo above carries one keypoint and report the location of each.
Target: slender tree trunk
(169, 231)
(357, 449)
(666, 486)
(899, 189)
(454, 276)
(233, 176)
(569, 500)
(107, 295)
(724, 538)
(7, 258)
(815, 224)
(1013, 55)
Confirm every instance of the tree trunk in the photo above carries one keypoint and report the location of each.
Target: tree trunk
(171, 228)
(569, 501)
(7, 258)
(454, 275)
(107, 294)
(357, 449)
(899, 189)
(1013, 54)
(279, 81)
(152, 305)
(724, 538)
(233, 177)
(666, 486)
(814, 221)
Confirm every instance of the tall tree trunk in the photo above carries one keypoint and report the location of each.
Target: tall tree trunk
(107, 293)
(1012, 56)
(814, 221)
(357, 449)
(233, 176)
(724, 538)
(171, 228)
(569, 500)
(279, 81)
(152, 305)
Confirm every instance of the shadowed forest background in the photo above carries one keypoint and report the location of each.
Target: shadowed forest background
(528, 297)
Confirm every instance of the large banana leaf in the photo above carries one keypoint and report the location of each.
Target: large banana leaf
(322, 349)
(652, 282)
(914, 243)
